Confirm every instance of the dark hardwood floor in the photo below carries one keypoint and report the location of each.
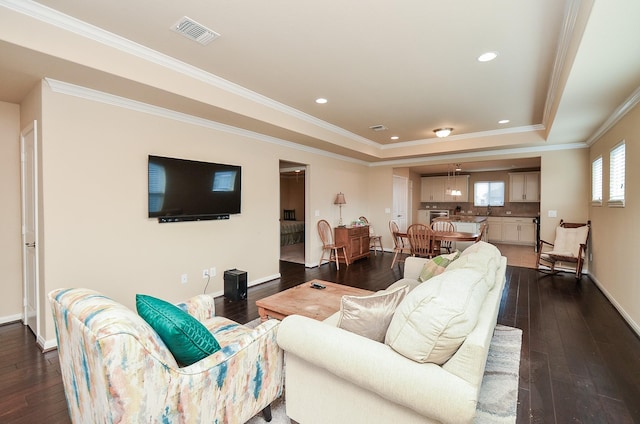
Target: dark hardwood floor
(580, 361)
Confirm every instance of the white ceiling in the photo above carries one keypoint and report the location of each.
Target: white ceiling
(565, 69)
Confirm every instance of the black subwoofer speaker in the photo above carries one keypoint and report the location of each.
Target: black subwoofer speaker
(235, 284)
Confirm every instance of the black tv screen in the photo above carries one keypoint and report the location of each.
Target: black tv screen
(187, 189)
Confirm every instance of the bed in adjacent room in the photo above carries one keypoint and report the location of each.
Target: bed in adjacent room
(291, 231)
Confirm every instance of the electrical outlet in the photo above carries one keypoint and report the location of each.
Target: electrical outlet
(205, 273)
(212, 271)
(184, 278)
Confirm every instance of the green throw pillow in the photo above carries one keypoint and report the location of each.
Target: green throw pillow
(187, 338)
(437, 265)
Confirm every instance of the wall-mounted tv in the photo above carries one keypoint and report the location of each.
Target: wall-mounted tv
(187, 190)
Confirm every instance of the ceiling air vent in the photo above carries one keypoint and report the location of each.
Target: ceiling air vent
(193, 30)
(378, 128)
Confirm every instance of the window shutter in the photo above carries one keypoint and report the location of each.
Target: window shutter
(596, 181)
(617, 175)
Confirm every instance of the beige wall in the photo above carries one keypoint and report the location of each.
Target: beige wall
(565, 180)
(94, 166)
(616, 231)
(10, 220)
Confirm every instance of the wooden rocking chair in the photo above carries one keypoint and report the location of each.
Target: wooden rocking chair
(569, 247)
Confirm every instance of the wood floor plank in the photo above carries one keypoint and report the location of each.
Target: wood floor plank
(580, 361)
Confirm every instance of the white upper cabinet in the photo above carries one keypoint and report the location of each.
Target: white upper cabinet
(438, 189)
(524, 187)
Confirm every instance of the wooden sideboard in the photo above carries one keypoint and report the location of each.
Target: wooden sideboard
(356, 239)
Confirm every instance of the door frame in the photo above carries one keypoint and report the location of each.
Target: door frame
(30, 134)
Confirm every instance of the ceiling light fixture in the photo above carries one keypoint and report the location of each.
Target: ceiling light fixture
(487, 57)
(503, 121)
(443, 132)
(395, 137)
(321, 101)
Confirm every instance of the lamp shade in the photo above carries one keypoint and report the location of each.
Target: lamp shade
(340, 200)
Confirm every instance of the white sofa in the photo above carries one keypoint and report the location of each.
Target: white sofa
(336, 376)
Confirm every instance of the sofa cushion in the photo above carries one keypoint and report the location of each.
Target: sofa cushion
(188, 339)
(434, 319)
(437, 265)
(481, 261)
(369, 316)
(411, 282)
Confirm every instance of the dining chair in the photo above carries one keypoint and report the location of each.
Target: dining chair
(326, 235)
(443, 225)
(568, 248)
(421, 240)
(483, 230)
(400, 246)
(375, 240)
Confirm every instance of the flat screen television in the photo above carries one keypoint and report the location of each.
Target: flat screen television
(188, 190)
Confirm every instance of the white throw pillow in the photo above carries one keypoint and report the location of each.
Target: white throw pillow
(568, 240)
(435, 318)
(369, 316)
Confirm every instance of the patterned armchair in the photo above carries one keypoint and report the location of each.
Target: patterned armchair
(115, 367)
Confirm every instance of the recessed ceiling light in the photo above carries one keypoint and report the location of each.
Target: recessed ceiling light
(443, 132)
(321, 101)
(488, 56)
(503, 121)
(395, 137)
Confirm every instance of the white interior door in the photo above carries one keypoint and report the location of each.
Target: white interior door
(400, 203)
(29, 171)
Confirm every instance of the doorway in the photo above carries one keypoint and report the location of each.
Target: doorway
(30, 247)
(400, 202)
(292, 212)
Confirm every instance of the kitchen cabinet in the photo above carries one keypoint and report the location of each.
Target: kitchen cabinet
(524, 187)
(434, 189)
(356, 239)
(460, 182)
(494, 231)
(518, 231)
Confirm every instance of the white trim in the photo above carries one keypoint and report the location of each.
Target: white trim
(634, 325)
(110, 99)
(123, 102)
(481, 153)
(94, 33)
(11, 318)
(483, 134)
(624, 108)
(560, 61)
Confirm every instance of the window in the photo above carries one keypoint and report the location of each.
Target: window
(596, 181)
(617, 175)
(488, 193)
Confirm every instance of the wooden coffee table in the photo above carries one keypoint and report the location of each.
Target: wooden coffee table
(305, 300)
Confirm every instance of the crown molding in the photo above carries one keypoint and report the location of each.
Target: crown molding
(478, 154)
(483, 134)
(62, 87)
(94, 33)
(624, 108)
(562, 55)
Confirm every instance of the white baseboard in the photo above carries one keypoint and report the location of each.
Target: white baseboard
(249, 284)
(10, 318)
(634, 325)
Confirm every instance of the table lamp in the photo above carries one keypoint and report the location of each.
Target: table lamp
(340, 201)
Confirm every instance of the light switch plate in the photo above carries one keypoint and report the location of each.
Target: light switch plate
(552, 214)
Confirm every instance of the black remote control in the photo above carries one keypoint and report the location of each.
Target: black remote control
(318, 286)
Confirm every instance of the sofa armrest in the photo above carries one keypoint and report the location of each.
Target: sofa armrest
(424, 388)
(201, 307)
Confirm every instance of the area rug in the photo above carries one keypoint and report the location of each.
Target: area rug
(498, 401)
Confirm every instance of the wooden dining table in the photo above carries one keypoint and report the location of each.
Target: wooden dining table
(439, 236)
